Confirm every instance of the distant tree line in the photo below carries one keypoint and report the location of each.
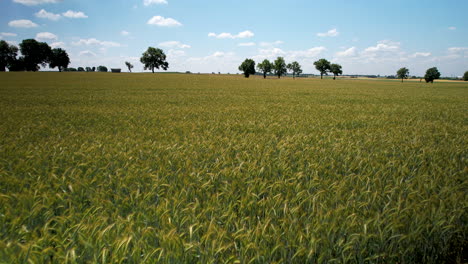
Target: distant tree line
(33, 55)
(280, 68)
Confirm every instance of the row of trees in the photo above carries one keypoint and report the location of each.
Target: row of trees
(88, 69)
(431, 74)
(279, 67)
(33, 55)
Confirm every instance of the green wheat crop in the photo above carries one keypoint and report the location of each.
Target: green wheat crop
(154, 168)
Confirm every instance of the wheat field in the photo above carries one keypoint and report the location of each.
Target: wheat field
(181, 168)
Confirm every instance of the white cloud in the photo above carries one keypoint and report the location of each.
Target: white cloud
(218, 54)
(215, 56)
(157, 2)
(6, 34)
(273, 53)
(164, 22)
(43, 36)
(330, 33)
(420, 54)
(93, 41)
(347, 53)
(310, 53)
(225, 35)
(57, 45)
(382, 46)
(47, 15)
(74, 14)
(124, 33)
(270, 53)
(36, 2)
(243, 34)
(87, 53)
(246, 44)
(175, 53)
(458, 52)
(452, 28)
(22, 23)
(270, 44)
(12, 42)
(174, 44)
(457, 49)
(218, 61)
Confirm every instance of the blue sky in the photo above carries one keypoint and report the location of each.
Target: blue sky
(365, 37)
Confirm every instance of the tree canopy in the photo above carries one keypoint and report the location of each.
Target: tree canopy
(154, 58)
(248, 67)
(59, 58)
(403, 73)
(265, 67)
(465, 76)
(34, 54)
(295, 68)
(8, 55)
(323, 66)
(336, 70)
(102, 69)
(279, 66)
(432, 74)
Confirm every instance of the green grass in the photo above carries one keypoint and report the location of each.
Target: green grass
(143, 168)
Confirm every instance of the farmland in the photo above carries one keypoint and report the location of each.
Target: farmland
(171, 168)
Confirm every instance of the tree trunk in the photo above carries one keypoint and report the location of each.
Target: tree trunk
(401, 79)
(279, 76)
(334, 77)
(2, 68)
(321, 75)
(264, 75)
(294, 76)
(152, 69)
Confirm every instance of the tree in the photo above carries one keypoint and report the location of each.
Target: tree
(323, 66)
(279, 67)
(154, 58)
(81, 69)
(35, 53)
(248, 67)
(465, 76)
(265, 66)
(402, 73)
(17, 65)
(432, 74)
(336, 70)
(8, 55)
(129, 66)
(295, 67)
(59, 58)
(102, 69)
